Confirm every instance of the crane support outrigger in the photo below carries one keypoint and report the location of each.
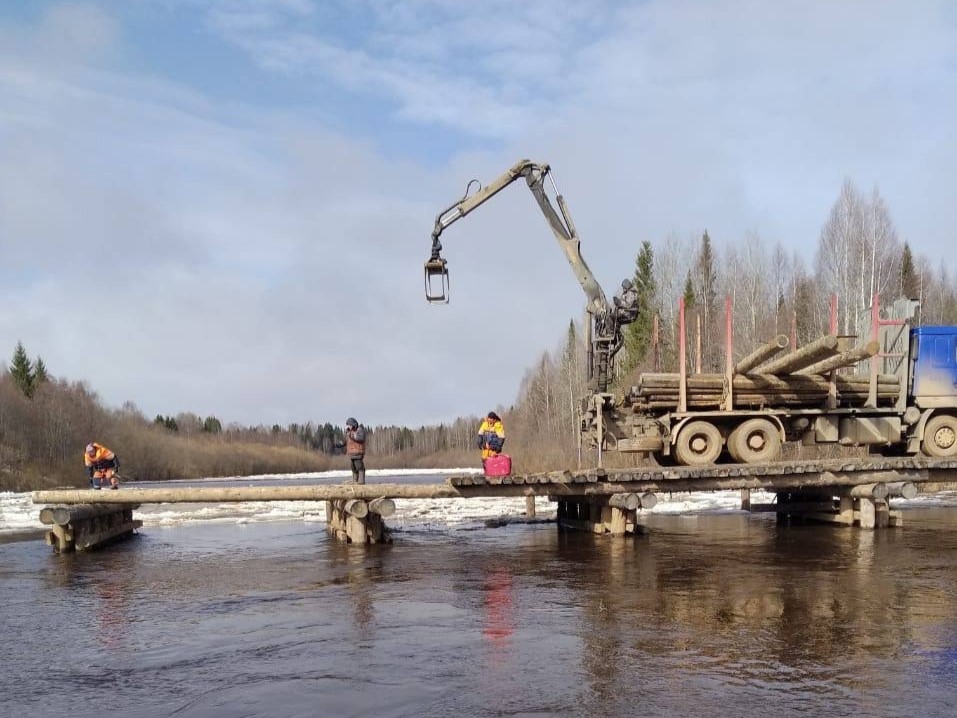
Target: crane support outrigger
(606, 320)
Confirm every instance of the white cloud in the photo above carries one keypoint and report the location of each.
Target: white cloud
(252, 263)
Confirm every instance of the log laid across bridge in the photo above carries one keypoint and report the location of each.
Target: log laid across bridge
(601, 500)
(784, 475)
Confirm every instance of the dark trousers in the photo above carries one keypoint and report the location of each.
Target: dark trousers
(358, 469)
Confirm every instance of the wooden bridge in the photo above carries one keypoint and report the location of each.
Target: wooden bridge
(842, 491)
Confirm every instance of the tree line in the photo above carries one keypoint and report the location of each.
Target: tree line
(45, 421)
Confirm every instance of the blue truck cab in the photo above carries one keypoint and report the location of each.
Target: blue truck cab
(933, 371)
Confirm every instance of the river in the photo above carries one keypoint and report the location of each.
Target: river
(254, 611)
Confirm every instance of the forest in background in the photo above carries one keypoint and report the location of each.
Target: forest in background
(46, 421)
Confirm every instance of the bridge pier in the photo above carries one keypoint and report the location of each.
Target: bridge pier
(616, 514)
(359, 521)
(864, 505)
(81, 527)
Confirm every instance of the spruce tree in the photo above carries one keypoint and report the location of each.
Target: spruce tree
(706, 295)
(212, 425)
(638, 333)
(689, 295)
(910, 282)
(21, 370)
(707, 277)
(40, 374)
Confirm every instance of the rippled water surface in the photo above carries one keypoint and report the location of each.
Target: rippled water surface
(713, 614)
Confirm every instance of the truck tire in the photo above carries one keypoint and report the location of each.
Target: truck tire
(940, 436)
(755, 441)
(699, 443)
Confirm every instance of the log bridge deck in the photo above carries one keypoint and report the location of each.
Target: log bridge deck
(842, 491)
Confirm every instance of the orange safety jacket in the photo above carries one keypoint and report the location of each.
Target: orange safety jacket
(102, 457)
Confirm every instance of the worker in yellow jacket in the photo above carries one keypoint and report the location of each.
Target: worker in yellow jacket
(491, 436)
(101, 464)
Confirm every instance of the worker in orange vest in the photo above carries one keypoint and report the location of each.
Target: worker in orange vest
(101, 463)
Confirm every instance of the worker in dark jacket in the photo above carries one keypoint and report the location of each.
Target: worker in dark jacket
(356, 449)
(491, 436)
(101, 464)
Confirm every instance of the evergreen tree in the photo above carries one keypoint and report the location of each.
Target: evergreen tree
(212, 425)
(689, 295)
(21, 370)
(170, 423)
(910, 282)
(706, 296)
(707, 289)
(638, 333)
(40, 374)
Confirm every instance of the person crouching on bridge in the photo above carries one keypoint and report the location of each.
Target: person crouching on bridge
(491, 436)
(356, 449)
(101, 463)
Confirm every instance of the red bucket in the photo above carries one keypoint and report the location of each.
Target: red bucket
(500, 465)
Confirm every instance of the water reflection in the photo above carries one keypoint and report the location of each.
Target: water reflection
(359, 568)
(705, 614)
(498, 620)
(762, 608)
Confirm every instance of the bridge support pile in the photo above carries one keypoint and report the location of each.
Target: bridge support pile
(359, 521)
(81, 527)
(616, 514)
(864, 505)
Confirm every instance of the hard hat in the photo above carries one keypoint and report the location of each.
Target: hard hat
(90, 449)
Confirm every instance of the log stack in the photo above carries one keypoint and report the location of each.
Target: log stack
(803, 378)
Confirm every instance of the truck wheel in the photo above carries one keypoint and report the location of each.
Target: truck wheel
(699, 443)
(940, 436)
(755, 441)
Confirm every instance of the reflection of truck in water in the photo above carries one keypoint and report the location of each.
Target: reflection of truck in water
(906, 403)
(749, 411)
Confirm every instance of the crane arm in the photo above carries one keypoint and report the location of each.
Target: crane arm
(559, 222)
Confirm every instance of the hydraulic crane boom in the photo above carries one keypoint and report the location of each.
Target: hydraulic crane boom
(606, 320)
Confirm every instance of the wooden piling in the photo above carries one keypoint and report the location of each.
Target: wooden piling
(359, 522)
(600, 514)
(83, 527)
(864, 506)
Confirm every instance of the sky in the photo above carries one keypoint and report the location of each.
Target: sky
(223, 206)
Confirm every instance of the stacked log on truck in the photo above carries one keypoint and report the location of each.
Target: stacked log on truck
(799, 379)
(768, 397)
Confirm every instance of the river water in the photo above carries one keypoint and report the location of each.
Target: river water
(227, 611)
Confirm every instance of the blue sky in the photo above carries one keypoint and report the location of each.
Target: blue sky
(242, 191)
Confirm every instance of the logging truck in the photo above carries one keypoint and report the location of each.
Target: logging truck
(906, 402)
